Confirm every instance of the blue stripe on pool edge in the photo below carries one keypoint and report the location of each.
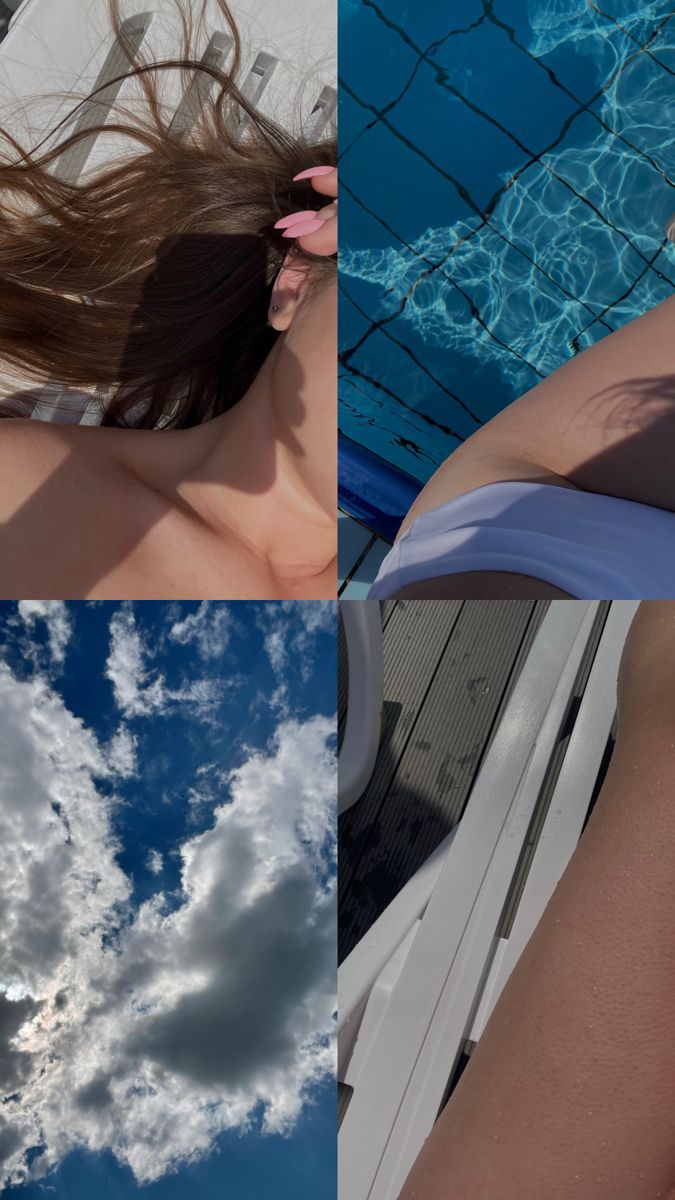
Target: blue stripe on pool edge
(372, 490)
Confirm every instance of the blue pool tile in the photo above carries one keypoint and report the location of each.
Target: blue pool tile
(519, 288)
(558, 219)
(397, 185)
(353, 120)
(664, 262)
(515, 93)
(428, 21)
(614, 179)
(578, 44)
(368, 417)
(639, 20)
(527, 322)
(356, 314)
(639, 105)
(644, 295)
(363, 221)
(662, 48)
(385, 359)
(462, 145)
(371, 55)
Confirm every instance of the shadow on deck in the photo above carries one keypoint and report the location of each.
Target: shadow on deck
(449, 670)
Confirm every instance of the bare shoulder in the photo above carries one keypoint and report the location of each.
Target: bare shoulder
(25, 456)
(32, 453)
(64, 499)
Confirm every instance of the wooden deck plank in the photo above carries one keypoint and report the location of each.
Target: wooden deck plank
(449, 668)
(414, 639)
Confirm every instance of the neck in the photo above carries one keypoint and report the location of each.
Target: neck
(266, 470)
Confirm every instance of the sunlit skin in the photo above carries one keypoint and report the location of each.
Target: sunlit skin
(242, 507)
(604, 422)
(571, 1089)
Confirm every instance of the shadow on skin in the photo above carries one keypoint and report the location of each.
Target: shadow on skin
(49, 521)
(639, 466)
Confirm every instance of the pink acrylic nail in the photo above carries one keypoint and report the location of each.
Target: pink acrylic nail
(312, 171)
(296, 231)
(292, 218)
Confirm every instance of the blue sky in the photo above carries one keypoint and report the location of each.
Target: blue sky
(167, 957)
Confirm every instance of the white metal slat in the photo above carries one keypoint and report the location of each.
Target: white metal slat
(375, 1012)
(568, 807)
(508, 784)
(57, 45)
(360, 969)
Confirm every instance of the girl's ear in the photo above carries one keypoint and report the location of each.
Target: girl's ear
(289, 288)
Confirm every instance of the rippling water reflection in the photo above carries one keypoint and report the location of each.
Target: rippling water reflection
(569, 246)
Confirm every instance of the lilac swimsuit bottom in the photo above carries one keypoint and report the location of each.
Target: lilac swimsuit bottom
(593, 547)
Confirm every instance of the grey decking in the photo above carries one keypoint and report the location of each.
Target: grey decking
(449, 667)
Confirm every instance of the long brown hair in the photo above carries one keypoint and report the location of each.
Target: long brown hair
(148, 281)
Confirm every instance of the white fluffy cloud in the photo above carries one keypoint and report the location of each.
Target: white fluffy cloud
(155, 862)
(275, 647)
(319, 616)
(148, 1032)
(55, 616)
(121, 753)
(135, 693)
(290, 629)
(139, 690)
(209, 628)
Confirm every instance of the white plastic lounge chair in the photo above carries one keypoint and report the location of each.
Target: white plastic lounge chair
(360, 743)
(425, 978)
(67, 46)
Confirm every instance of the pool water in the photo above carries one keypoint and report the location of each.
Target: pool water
(507, 170)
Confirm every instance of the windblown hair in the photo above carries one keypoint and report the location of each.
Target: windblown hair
(148, 281)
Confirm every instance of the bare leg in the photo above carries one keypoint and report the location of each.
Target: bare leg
(604, 422)
(571, 1090)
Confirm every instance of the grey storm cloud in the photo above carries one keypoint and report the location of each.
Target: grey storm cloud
(243, 1022)
(10, 1140)
(15, 1064)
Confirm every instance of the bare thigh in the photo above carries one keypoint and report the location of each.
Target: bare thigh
(571, 1090)
(604, 422)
